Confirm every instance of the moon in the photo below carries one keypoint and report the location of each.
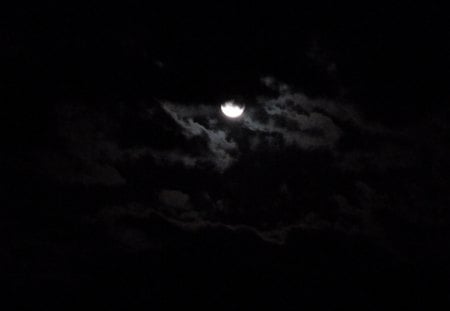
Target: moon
(232, 109)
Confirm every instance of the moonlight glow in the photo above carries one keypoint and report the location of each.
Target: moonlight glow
(231, 109)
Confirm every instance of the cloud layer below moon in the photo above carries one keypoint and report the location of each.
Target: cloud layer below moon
(319, 164)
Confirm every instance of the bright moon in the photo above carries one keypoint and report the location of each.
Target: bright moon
(231, 109)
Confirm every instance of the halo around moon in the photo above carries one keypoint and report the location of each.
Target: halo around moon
(232, 109)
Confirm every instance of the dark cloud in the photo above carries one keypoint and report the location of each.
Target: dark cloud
(285, 146)
(174, 198)
(300, 140)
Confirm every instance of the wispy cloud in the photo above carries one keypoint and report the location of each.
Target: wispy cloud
(216, 140)
(287, 119)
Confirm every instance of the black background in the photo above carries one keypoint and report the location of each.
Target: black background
(390, 63)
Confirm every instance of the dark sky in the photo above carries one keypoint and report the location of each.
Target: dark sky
(125, 186)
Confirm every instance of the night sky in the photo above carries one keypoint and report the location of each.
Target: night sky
(125, 186)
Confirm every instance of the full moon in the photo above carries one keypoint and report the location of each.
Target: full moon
(232, 109)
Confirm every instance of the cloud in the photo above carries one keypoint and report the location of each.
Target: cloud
(174, 198)
(287, 119)
(326, 137)
(304, 122)
(200, 138)
(172, 157)
(133, 225)
(219, 146)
